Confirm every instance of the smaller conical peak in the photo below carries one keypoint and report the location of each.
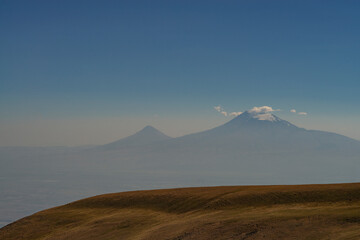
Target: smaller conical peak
(150, 131)
(145, 136)
(149, 128)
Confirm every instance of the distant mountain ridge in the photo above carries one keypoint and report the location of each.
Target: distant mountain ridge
(258, 146)
(246, 125)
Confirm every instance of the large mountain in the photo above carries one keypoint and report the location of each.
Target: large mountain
(266, 132)
(250, 132)
(251, 145)
(252, 148)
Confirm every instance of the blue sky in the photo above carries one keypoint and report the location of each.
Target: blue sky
(88, 72)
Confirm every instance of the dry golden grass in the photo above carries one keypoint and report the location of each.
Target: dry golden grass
(235, 212)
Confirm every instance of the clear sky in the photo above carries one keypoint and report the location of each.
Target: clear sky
(90, 72)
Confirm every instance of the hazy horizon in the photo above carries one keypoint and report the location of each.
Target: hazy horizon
(170, 126)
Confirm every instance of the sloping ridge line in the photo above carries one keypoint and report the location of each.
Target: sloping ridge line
(201, 198)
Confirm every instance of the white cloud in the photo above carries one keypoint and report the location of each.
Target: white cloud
(224, 113)
(263, 109)
(235, 114)
(217, 108)
(262, 113)
(221, 110)
(299, 113)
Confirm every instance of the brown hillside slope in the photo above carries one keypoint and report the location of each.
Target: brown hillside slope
(236, 212)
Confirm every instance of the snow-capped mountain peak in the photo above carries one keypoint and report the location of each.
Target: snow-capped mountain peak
(265, 117)
(259, 119)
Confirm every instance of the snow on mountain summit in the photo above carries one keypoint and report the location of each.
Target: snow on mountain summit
(266, 117)
(263, 113)
(262, 116)
(259, 119)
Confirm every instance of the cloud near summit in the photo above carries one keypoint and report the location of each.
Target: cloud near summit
(299, 113)
(263, 109)
(225, 113)
(254, 110)
(221, 110)
(257, 110)
(235, 114)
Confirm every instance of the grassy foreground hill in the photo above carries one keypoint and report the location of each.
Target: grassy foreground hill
(235, 212)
